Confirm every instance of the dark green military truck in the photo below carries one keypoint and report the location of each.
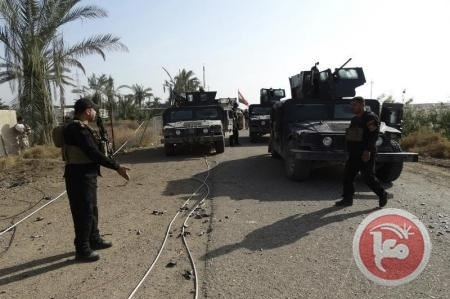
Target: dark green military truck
(259, 114)
(308, 130)
(196, 119)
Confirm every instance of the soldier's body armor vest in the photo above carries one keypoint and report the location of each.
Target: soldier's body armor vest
(72, 154)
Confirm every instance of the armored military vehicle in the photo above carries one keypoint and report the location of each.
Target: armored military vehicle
(259, 114)
(308, 130)
(197, 119)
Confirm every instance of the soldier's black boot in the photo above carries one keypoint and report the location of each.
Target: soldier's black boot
(344, 203)
(383, 199)
(87, 257)
(100, 244)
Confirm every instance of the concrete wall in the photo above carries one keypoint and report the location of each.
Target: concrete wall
(7, 121)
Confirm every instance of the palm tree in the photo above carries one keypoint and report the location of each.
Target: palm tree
(186, 81)
(126, 107)
(169, 84)
(35, 55)
(96, 88)
(157, 101)
(139, 93)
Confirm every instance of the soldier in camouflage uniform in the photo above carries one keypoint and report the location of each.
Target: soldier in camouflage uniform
(23, 131)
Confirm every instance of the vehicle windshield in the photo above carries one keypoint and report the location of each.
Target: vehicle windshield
(207, 113)
(260, 110)
(180, 115)
(309, 112)
(343, 111)
(194, 114)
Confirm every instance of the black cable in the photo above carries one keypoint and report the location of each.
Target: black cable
(11, 240)
(29, 208)
(13, 217)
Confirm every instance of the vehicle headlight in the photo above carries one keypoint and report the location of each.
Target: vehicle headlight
(263, 123)
(178, 132)
(327, 141)
(205, 131)
(379, 141)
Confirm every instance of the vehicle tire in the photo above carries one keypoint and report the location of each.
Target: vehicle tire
(219, 146)
(390, 171)
(273, 152)
(253, 137)
(169, 148)
(297, 170)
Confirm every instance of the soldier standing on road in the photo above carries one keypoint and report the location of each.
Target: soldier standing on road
(246, 118)
(235, 137)
(361, 138)
(83, 159)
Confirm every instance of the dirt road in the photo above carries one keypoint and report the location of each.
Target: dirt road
(261, 235)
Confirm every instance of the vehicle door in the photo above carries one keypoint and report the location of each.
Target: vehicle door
(392, 115)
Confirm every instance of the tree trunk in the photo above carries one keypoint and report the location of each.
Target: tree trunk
(37, 108)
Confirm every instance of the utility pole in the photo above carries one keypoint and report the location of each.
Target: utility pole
(204, 77)
(371, 88)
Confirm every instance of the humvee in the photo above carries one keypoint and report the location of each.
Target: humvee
(197, 119)
(259, 114)
(308, 130)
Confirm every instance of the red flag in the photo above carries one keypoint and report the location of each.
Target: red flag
(242, 99)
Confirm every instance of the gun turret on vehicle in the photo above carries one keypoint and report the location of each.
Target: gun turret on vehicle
(196, 118)
(327, 85)
(259, 114)
(308, 131)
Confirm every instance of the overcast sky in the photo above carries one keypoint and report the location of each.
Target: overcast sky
(252, 44)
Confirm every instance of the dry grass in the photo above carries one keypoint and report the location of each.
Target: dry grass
(39, 152)
(125, 130)
(427, 143)
(148, 138)
(42, 152)
(130, 124)
(9, 162)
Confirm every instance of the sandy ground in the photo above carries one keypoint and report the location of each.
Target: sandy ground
(264, 237)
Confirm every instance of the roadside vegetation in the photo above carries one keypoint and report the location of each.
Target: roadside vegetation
(427, 130)
(129, 105)
(37, 60)
(39, 152)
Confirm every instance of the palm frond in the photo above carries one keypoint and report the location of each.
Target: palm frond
(86, 12)
(95, 45)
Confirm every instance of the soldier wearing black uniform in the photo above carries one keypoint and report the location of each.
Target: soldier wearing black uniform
(234, 140)
(361, 138)
(81, 151)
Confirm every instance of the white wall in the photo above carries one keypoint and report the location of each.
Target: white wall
(7, 121)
